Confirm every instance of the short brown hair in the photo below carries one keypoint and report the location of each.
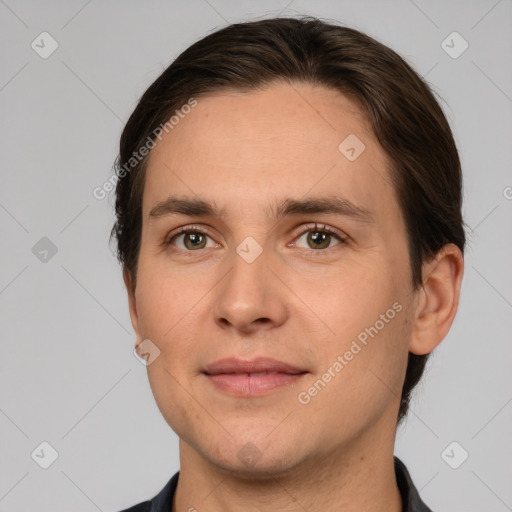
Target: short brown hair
(402, 110)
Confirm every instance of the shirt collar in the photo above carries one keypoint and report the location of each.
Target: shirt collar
(411, 500)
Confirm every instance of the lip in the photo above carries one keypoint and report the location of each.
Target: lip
(258, 365)
(252, 378)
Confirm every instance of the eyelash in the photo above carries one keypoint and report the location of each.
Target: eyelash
(321, 228)
(314, 227)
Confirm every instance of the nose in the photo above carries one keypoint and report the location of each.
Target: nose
(250, 297)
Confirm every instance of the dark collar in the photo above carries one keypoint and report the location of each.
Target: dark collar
(411, 500)
(410, 497)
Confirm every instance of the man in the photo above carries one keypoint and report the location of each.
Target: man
(289, 224)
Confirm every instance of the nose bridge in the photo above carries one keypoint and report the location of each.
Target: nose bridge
(248, 293)
(245, 282)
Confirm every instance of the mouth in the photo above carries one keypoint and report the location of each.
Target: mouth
(252, 378)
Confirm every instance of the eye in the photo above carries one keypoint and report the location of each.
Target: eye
(319, 237)
(191, 240)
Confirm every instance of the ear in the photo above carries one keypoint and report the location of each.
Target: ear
(438, 299)
(132, 305)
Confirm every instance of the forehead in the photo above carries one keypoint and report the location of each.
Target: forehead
(242, 150)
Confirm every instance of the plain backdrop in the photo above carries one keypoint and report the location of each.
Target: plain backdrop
(69, 377)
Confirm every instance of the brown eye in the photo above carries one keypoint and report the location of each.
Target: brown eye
(194, 241)
(191, 241)
(318, 239)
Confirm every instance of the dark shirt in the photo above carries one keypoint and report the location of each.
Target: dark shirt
(162, 502)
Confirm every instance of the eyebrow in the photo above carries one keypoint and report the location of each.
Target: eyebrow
(200, 208)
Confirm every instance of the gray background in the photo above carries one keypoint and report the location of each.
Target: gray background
(68, 374)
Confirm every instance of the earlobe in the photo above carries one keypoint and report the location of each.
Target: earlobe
(438, 299)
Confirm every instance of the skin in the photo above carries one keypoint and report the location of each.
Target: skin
(296, 303)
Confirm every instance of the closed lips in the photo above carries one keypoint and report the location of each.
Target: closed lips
(257, 367)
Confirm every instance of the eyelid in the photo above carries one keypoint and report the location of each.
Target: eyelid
(189, 228)
(314, 226)
(319, 226)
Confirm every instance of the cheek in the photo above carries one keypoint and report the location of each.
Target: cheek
(351, 298)
(368, 374)
(163, 301)
(172, 314)
(174, 402)
(366, 311)
(167, 311)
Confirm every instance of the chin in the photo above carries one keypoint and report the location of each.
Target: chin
(255, 465)
(252, 457)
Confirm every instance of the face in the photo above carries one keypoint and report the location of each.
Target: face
(281, 249)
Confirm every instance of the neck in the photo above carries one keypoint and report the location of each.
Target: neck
(349, 480)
